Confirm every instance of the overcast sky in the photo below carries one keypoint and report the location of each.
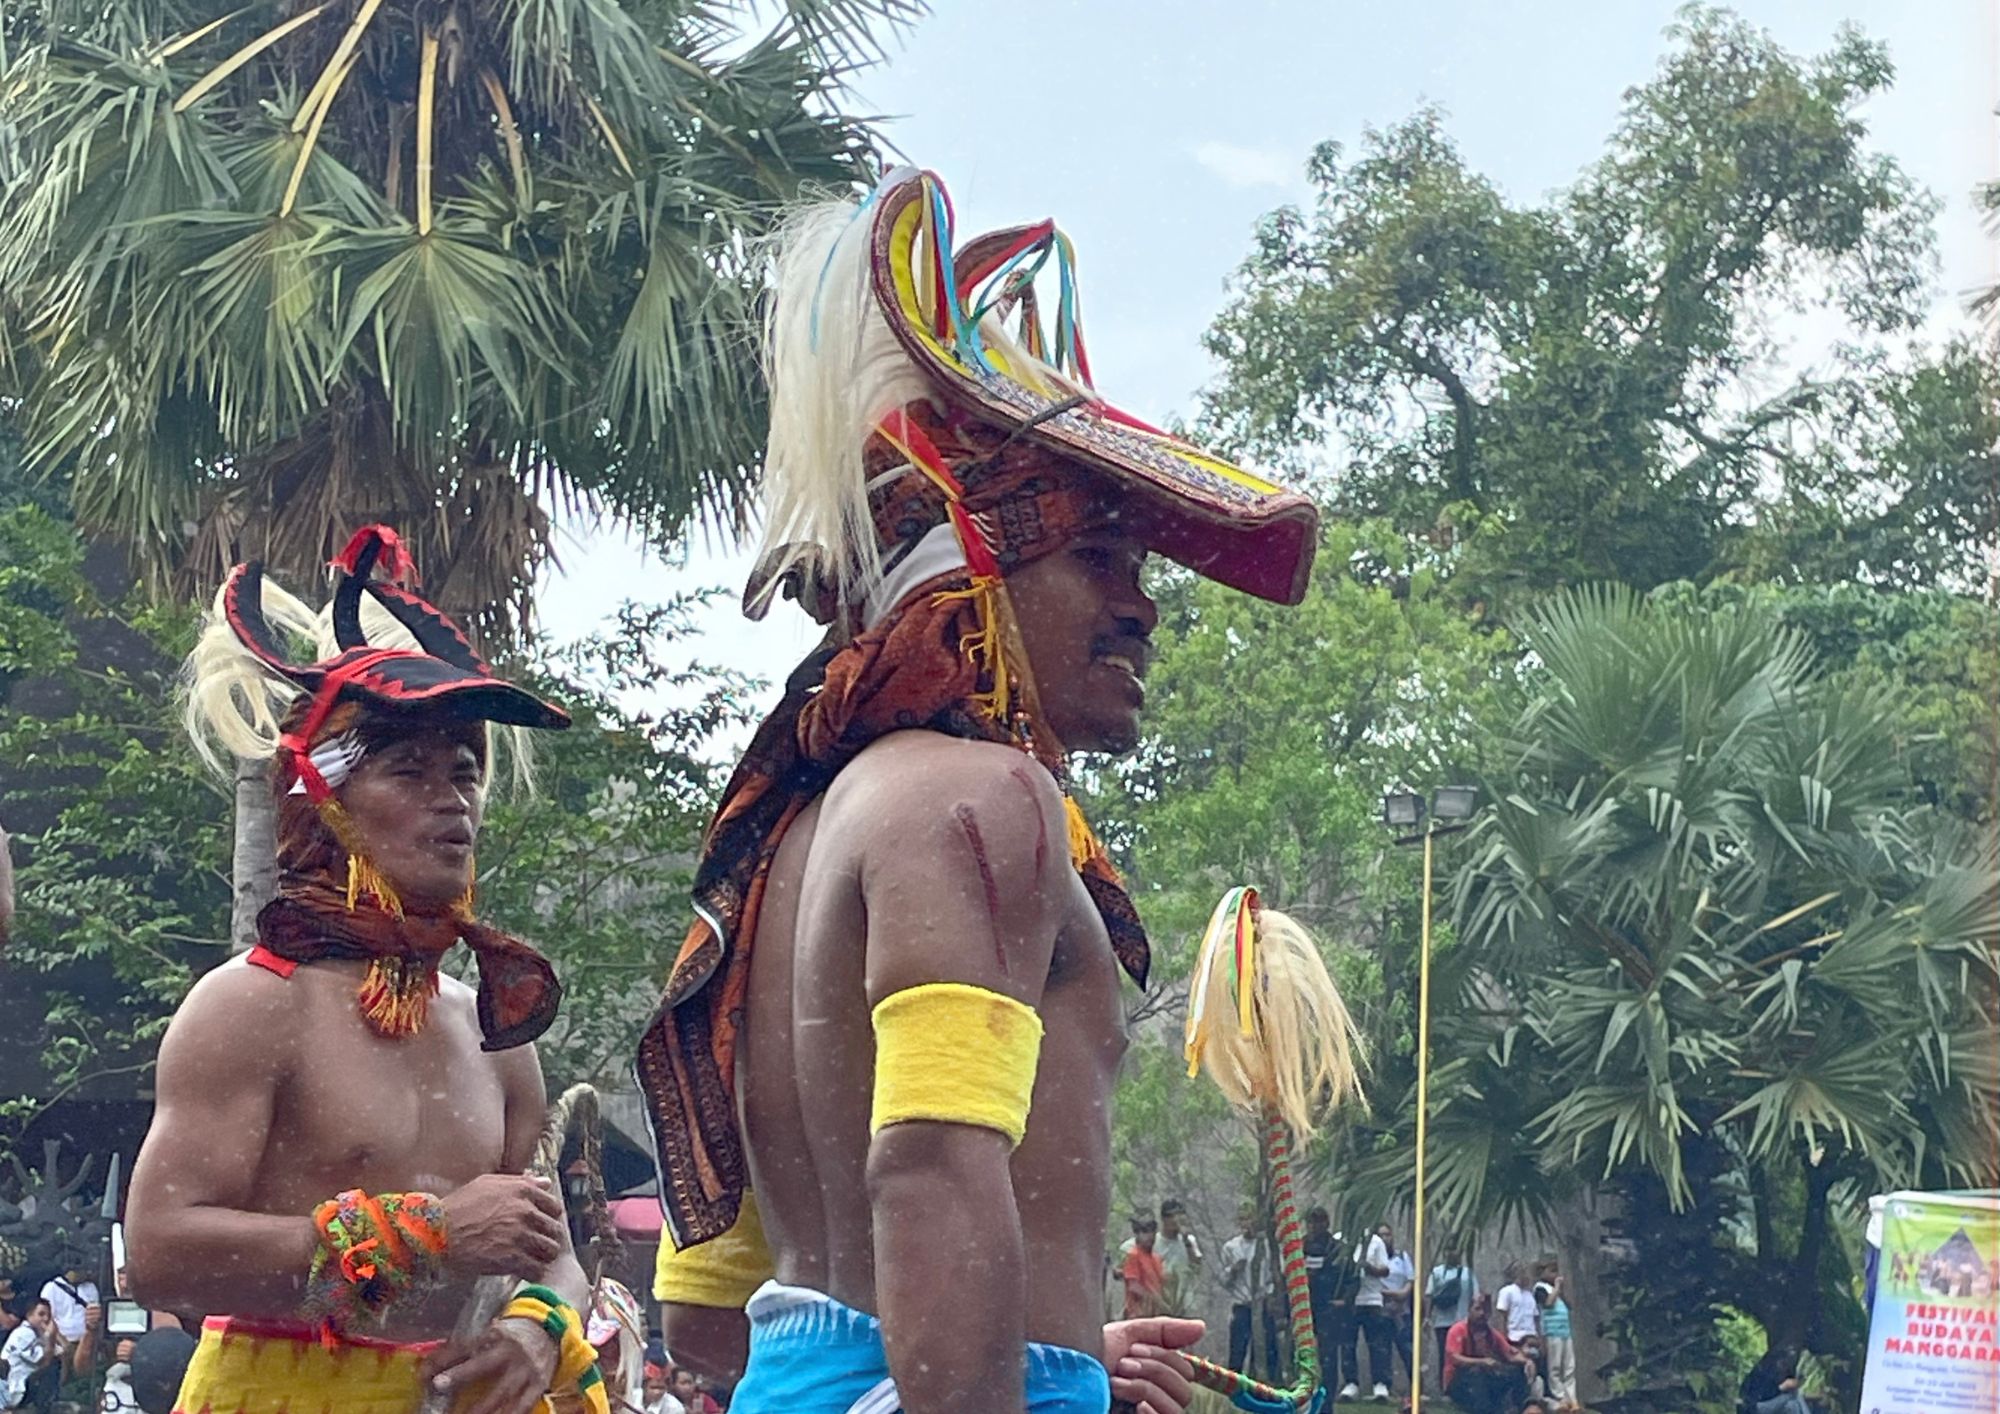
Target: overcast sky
(1157, 135)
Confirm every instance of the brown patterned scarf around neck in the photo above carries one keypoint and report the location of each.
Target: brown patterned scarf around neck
(909, 672)
(310, 921)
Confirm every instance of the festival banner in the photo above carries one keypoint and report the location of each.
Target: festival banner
(1931, 1330)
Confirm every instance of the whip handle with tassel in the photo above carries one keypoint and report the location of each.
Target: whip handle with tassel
(1306, 1393)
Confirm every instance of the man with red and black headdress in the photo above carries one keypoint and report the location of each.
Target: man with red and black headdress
(880, 1079)
(342, 1132)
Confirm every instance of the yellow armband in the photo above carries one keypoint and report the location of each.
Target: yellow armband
(964, 1055)
(721, 1272)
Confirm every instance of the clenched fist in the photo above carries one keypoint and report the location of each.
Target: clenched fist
(504, 1224)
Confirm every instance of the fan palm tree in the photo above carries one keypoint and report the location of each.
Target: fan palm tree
(269, 269)
(1710, 951)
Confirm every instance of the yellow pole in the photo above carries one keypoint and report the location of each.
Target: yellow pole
(1423, 1109)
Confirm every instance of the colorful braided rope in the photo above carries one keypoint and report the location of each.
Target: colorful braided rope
(374, 1250)
(1307, 1394)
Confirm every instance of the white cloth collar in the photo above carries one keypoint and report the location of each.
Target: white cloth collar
(936, 553)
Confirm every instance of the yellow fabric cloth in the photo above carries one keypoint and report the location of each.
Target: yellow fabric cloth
(956, 1053)
(722, 1272)
(280, 1367)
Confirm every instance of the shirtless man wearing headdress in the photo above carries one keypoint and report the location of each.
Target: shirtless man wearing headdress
(342, 1134)
(898, 1019)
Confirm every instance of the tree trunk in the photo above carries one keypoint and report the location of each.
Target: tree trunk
(253, 868)
(1790, 1295)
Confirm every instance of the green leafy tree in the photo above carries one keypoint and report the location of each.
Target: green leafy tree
(120, 838)
(266, 272)
(1570, 390)
(1747, 976)
(1270, 736)
(1931, 655)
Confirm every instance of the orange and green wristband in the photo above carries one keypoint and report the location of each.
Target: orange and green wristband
(576, 1357)
(374, 1250)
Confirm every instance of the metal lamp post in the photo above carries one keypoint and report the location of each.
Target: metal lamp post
(1404, 811)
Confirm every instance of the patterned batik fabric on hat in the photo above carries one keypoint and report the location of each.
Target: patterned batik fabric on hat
(909, 672)
(1025, 500)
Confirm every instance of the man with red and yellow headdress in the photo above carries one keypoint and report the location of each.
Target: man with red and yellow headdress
(341, 1138)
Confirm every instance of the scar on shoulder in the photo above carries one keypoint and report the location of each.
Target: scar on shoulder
(968, 824)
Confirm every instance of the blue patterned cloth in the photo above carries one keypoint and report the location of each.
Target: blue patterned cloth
(809, 1354)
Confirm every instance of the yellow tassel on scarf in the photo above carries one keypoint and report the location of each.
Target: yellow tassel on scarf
(1084, 845)
(985, 645)
(396, 995)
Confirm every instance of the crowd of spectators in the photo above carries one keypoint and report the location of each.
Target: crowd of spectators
(1510, 1352)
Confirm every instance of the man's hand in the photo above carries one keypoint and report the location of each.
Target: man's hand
(507, 1368)
(1145, 1370)
(93, 1316)
(504, 1224)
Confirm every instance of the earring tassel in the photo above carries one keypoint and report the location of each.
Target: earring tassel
(364, 878)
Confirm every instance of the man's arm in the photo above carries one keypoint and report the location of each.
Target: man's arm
(193, 1245)
(514, 1360)
(960, 887)
(527, 1109)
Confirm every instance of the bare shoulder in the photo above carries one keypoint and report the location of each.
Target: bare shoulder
(961, 855)
(234, 1011)
(910, 785)
(239, 996)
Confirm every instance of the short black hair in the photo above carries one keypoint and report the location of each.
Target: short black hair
(1144, 1220)
(1317, 1211)
(1172, 1205)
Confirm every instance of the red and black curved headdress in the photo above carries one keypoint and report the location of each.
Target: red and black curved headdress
(444, 675)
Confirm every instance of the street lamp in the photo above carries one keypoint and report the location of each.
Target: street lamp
(1403, 810)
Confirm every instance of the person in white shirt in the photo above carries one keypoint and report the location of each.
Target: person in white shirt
(1376, 1327)
(1396, 1289)
(31, 1346)
(1180, 1254)
(1250, 1278)
(70, 1297)
(1516, 1303)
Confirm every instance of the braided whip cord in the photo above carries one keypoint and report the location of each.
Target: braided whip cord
(1307, 1394)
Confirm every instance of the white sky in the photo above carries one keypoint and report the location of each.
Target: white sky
(1158, 133)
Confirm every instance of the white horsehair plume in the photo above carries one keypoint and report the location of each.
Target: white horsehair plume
(231, 701)
(1265, 1019)
(834, 368)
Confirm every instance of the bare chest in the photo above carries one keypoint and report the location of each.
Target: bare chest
(384, 1113)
